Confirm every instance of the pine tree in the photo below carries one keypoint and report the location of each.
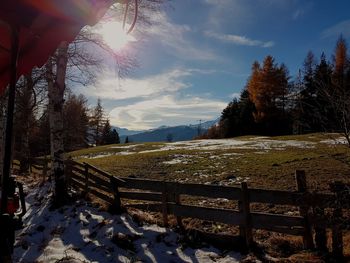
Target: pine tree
(96, 122)
(324, 114)
(115, 137)
(308, 96)
(106, 135)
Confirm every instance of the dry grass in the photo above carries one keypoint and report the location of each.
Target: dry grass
(271, 169)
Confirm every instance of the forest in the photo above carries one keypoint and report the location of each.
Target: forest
(274, 103)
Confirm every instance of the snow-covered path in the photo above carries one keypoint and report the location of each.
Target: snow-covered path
(83, 233)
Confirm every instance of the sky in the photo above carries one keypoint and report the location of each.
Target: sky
(197, 56)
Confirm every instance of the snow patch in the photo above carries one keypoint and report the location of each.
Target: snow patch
(82, 233)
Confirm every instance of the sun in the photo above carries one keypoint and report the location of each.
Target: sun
(114, 35)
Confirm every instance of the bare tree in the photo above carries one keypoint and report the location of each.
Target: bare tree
(71, 61)
(56, 89)
(338, 102)
(30, 96)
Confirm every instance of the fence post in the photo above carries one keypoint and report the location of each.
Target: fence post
(320, 231)
(164, 205)
(115, 208)
(68, 166)
(86, 174)
(304, 210)
(178, 202)
(45, 169)
(244, 207)
(337, 234)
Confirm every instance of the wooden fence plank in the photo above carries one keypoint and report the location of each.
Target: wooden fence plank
(78, 176)
(225, 216)
(77, 183)
(102, 196)
(100, 187)
(76, 164)
(104, 173)
(78, 170)
(295, 231)
(142, 196)
(261, 220)
(212, 191)
(142, 184)
(100, 181)
(146, 207)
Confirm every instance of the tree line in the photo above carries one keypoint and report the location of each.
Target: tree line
(271, 103)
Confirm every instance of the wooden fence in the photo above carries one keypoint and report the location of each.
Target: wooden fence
(36, 165)
(165, 197)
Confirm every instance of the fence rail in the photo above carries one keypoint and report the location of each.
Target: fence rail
(165, 197)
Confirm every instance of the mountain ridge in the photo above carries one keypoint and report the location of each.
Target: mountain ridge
(165, 133)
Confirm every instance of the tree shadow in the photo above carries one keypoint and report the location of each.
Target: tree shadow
(83, 232)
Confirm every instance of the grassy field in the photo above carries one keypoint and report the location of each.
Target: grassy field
(263, 162)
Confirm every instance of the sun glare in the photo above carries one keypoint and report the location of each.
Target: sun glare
(114, 36)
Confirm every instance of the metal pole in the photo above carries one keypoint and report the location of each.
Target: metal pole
(9, 120)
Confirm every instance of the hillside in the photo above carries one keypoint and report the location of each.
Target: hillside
(267, 162)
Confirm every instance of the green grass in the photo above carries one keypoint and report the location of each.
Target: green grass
(267, 169)
(271, 169)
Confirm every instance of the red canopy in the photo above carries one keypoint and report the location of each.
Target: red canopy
(43, 24)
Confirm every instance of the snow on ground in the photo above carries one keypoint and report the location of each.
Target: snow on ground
(260, 143)
(83, 233)
(341, 140)
(104, 154)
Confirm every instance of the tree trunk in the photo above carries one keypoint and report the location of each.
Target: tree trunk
(56, 92)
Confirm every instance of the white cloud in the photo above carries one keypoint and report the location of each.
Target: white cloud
(169, 82)
(338, 29)
(166, 110)
(175, 38)
(110, 87)
(239, 40)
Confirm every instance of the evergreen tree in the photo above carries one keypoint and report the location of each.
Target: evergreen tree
(97, 121)
(109, 135)
(308, 96)
(106, 134)
(127, 139)
(115, 137)
(324, 114)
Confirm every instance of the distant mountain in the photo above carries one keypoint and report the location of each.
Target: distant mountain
(125, 132)
(166, 133)
(206, 125)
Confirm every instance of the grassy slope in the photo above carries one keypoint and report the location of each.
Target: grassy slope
(273, 169)
(269, 169)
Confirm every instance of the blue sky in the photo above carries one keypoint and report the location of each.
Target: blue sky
(198, 56)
